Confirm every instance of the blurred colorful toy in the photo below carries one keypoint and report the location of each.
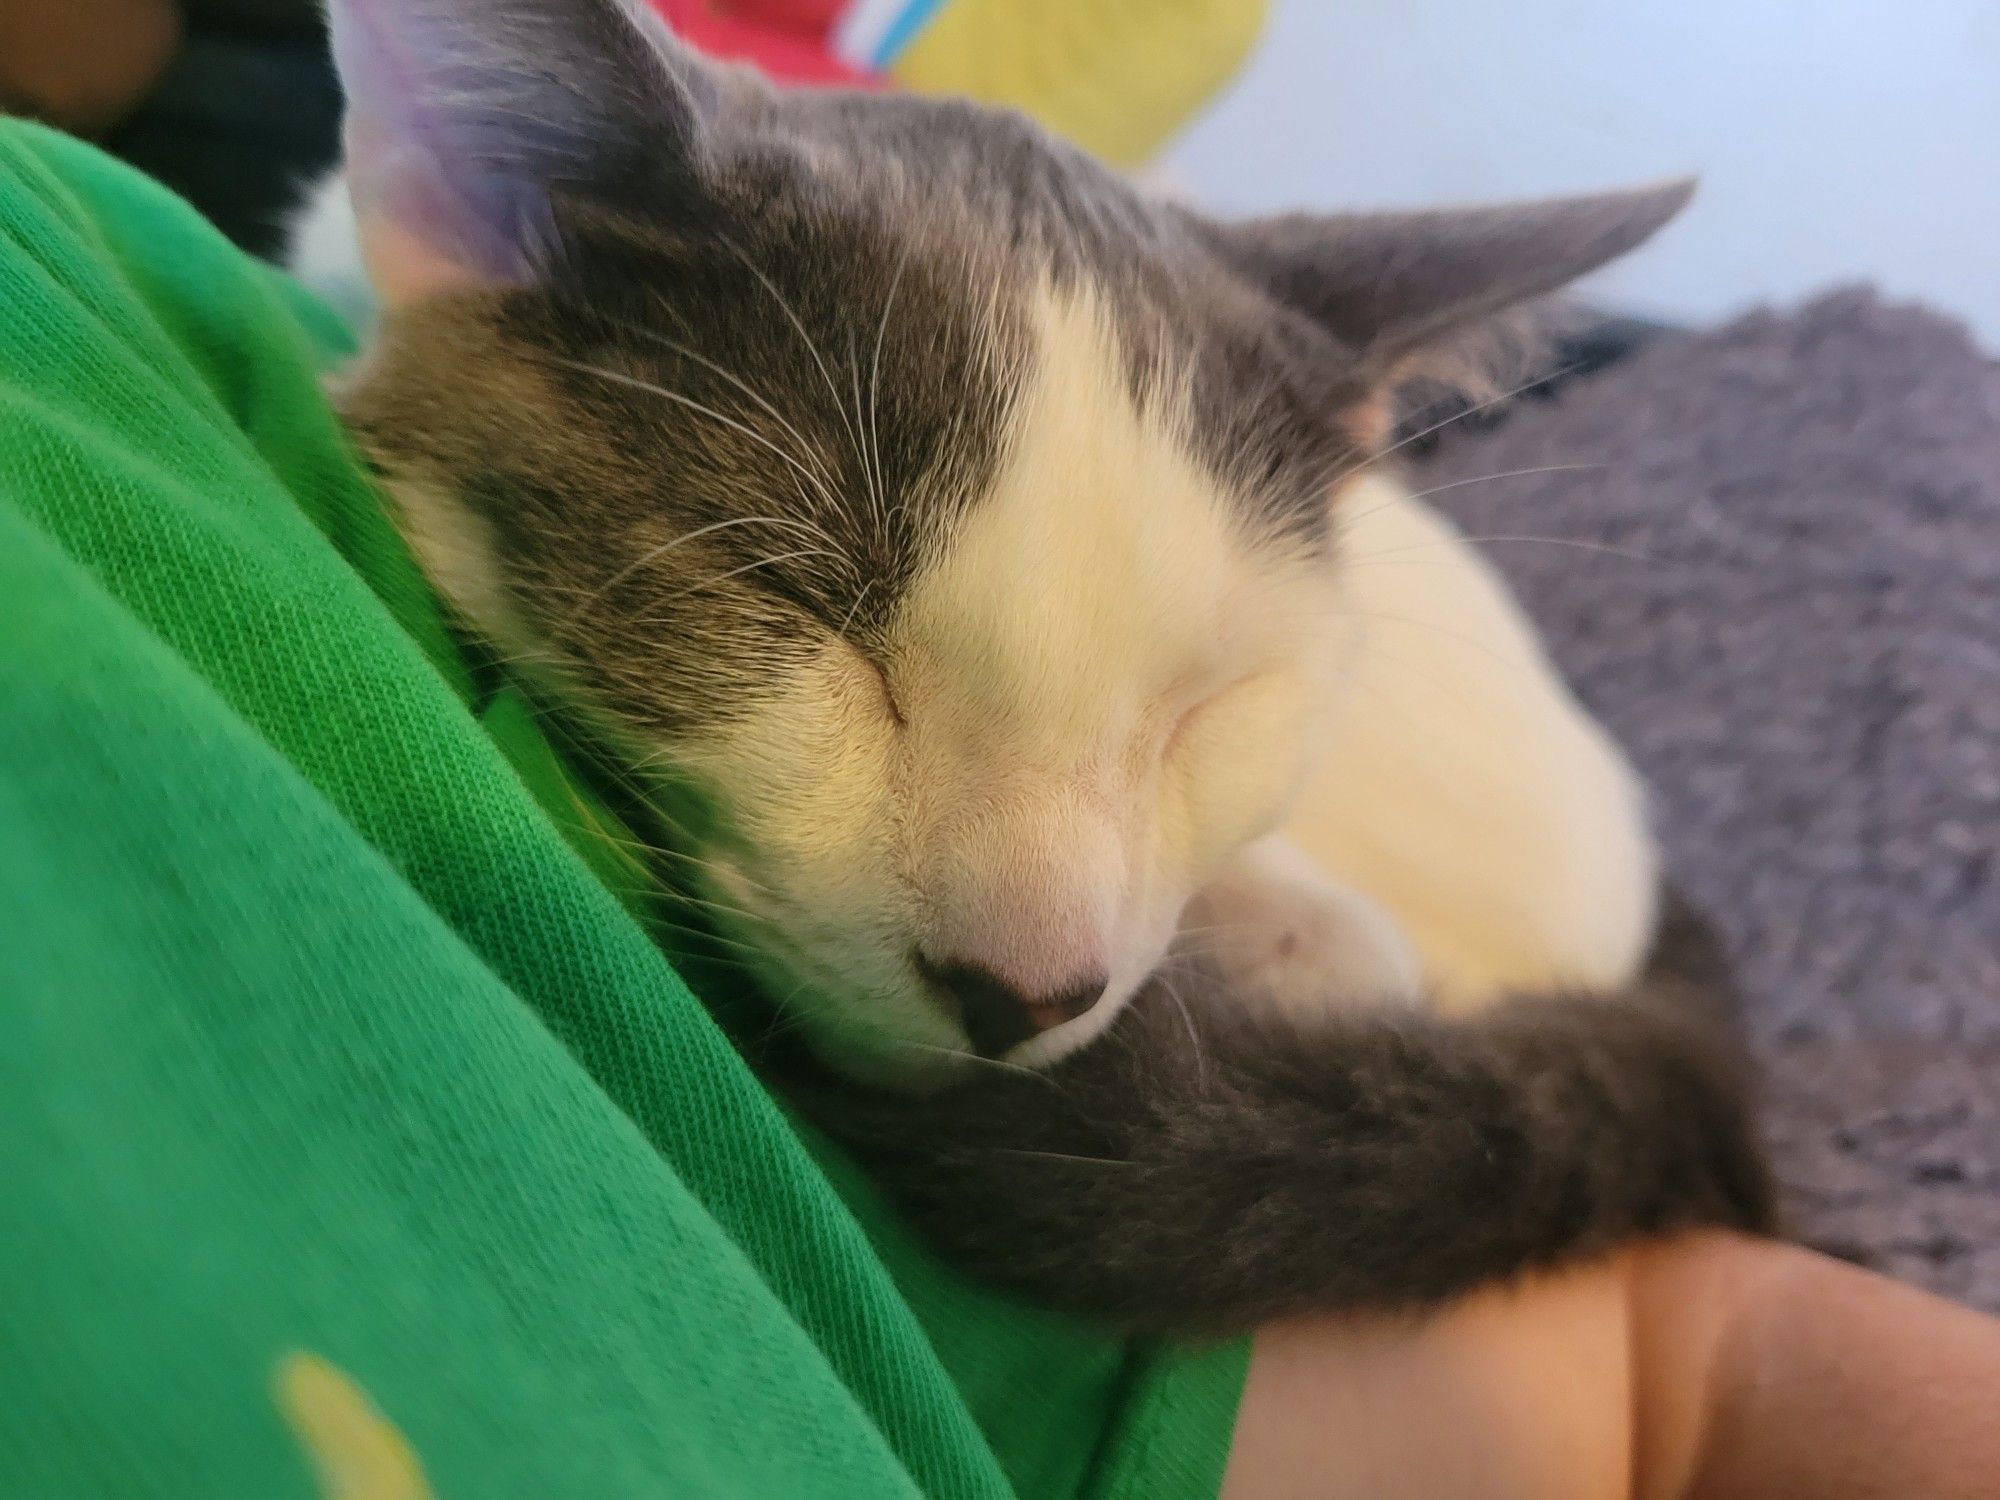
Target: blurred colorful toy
(792, 41)
(1118, 79)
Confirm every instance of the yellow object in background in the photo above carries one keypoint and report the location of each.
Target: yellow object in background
(1118, 77)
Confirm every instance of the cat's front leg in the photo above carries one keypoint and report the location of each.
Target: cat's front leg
(1278, 930)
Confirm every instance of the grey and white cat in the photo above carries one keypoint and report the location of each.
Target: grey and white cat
(984, 548)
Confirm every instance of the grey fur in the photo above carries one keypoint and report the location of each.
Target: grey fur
(1204, 1168)
(1393, 284)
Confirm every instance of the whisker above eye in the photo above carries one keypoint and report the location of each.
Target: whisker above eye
(1483, 647)
(1351, 519)
(871, 481)
(855, 608)
(875, 379)
(825, 487)
(695, 356)
(1544, 378)
(652, 555)
(1629, 554)
(653, 388)
(729, 573)
(1348, 519)
(799, 327)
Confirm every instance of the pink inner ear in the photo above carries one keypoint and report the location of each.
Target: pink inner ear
(428, 226)
(467, 119)
(404, 268)
(1369, 421)
(385, 189)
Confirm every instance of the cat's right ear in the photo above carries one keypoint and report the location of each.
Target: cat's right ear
(470, 121)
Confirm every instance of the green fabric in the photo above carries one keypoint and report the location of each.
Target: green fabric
(330, 1028)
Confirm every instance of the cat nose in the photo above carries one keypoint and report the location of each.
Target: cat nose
(996, 1013)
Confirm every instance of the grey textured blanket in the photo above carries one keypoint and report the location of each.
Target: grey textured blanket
(1797, 635)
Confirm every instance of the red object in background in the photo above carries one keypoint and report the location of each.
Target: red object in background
(790, 40)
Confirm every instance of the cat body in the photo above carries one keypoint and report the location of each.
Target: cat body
(1500, 825)
(984, 573)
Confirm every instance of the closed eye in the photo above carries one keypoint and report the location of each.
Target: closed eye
(878, 677)
(1200, 708)
(889, 697)
(1257, 714)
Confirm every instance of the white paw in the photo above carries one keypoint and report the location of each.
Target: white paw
(1279, 932)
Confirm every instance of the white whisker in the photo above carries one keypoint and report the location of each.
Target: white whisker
(1459, 484)
(1187, 1019)
(1456, 635)
(1070, 1156)
(653, 389)
(652, 555)
(1347, 520)
(855, 608)
(799, 327)
(1629, 554)
(737, 572)
(806, 450)
(875, 374)
(870, 480)
(1338, 473)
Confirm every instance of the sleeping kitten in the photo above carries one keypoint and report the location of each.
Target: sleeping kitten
(973, 553)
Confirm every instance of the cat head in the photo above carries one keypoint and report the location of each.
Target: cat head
(953, 526)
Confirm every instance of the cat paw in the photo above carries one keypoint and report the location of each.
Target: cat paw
(1276, 930)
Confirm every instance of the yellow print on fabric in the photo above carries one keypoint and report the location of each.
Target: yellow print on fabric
(357, 1453)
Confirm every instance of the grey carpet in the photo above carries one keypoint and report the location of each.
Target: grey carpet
(1798, 638)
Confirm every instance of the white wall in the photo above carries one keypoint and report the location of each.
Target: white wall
(1837, 139)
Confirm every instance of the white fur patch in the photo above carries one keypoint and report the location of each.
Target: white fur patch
(323, 251)
(1464, 788)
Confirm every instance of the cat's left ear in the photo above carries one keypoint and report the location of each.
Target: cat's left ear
(1395, 287)
(470, 121)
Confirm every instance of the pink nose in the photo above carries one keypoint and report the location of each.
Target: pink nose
(997, 1014)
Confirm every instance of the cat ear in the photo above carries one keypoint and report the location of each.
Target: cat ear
(466, 119)
(1395, 286)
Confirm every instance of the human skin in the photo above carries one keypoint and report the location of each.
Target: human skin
(1710, 1367)
(84, 64)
